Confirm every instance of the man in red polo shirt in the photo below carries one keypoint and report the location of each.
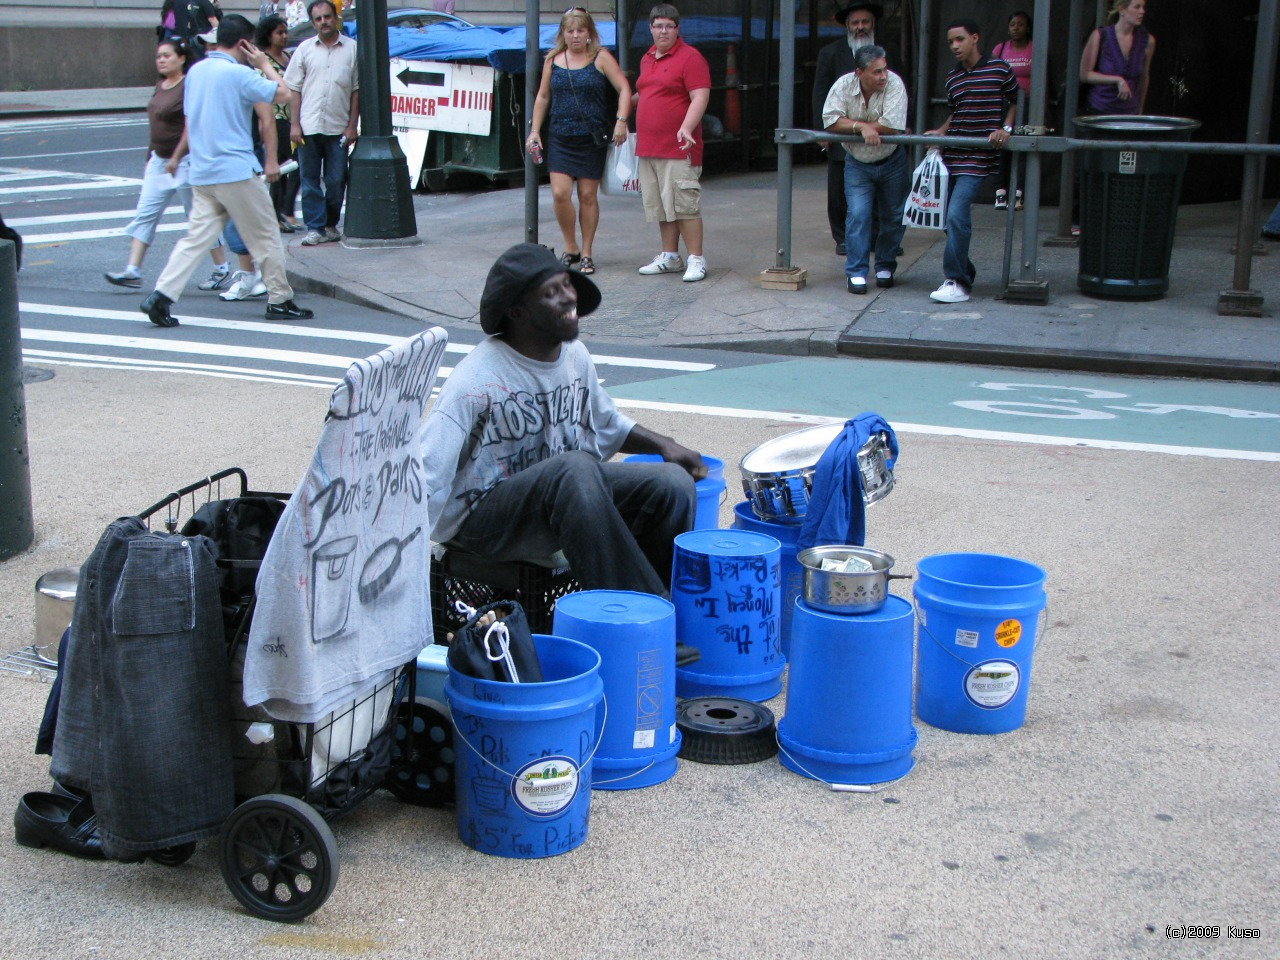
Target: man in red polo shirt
(674, 85)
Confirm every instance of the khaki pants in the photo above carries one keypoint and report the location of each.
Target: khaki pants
(248, 204)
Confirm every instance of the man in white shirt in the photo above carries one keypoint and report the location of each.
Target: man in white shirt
(870, 102)
(323, 108)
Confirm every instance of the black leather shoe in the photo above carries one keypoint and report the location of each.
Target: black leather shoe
(156, 307)
(855, 287)
(288, 311)
(64, 823)
(1270, 235)
(841, 250)
(686, 654)
(884, 282)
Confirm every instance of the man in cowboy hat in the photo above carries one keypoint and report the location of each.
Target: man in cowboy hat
(834, 61)
(514, 450)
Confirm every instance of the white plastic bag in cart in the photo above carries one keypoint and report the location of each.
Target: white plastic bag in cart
(621, 170)
(927, 204)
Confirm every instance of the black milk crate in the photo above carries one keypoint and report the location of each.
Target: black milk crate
(476, 581)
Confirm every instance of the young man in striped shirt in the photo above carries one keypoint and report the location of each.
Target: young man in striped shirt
(982, 95)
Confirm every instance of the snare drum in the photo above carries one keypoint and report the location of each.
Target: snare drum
(777, 476)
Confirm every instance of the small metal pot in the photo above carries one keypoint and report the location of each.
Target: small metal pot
(833, 592)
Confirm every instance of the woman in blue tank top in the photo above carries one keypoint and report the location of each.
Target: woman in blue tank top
(575, 80)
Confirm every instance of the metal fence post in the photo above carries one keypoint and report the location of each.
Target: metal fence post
(17, 527)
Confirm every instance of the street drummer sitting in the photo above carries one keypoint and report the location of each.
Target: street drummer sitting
(515, 447)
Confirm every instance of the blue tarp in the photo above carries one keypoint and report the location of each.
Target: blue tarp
(503, 47)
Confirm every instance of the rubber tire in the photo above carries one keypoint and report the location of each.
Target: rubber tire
(267, 836)
(173, 856)
(423, 777)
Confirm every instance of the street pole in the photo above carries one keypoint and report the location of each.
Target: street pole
(379, 199)
(1240, 301)
(17, 528)
(532, 77)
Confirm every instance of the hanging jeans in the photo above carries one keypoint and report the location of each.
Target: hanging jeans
(142, 721)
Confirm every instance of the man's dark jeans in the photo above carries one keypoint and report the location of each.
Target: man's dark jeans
(615, 522)
(322, 165)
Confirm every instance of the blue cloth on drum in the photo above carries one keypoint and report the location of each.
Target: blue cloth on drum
(836, 512)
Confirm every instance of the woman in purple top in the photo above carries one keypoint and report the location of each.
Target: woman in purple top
(1117, 61)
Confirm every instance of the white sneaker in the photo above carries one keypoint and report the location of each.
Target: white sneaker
(949, 292)
(314, 238)
(332, 235)
(245, 286)
(697, 269)
(663, 264)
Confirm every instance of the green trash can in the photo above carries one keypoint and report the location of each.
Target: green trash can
(1129, 206)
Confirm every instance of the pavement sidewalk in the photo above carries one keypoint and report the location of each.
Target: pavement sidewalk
(440, 280)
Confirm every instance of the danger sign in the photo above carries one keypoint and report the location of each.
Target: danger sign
(450, 97)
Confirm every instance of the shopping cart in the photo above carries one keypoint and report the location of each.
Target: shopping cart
(276, 850)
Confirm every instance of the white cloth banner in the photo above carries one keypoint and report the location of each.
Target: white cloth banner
(343, 592)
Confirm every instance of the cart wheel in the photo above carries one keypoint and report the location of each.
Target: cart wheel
(278, 857)
(173, 856)
(422, 774)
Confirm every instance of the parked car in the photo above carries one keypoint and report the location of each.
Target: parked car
(409, 17)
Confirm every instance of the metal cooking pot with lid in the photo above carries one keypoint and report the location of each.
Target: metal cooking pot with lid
(777, 476)
(836, 591)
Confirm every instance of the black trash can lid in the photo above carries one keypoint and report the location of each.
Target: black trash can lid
(1136, 126)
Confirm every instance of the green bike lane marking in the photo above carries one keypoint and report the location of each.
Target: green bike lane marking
(1184, 416)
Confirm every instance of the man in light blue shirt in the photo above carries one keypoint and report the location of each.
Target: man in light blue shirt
(225, 176)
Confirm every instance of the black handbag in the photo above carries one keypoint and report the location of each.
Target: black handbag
(502, 650)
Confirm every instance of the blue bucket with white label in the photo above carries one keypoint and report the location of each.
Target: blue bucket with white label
(848, 716)
(710, 490)
(635, 635)
(726, 586)
(523, 753)
(978, 615)
(744, 518)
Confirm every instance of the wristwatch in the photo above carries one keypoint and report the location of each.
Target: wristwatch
(1007, 129)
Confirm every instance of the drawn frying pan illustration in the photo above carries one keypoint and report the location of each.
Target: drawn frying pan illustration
(380, 569)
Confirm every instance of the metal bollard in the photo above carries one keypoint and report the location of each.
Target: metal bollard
(17, 528)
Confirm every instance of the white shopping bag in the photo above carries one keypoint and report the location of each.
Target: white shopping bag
(927, 204)
(621, 178)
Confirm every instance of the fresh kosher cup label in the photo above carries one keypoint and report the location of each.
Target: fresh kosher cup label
(546, 786)
(993, 684)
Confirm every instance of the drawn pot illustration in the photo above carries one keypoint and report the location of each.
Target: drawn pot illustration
(331, 571)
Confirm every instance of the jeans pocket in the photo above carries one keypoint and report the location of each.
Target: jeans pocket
(688, 198)
(156, 592)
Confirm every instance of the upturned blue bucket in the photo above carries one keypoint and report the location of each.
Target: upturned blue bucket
(978, 616)
(523, 753)
(635, 635)
(726, 586)
(744, 518)
(710, 489)
(848, 714)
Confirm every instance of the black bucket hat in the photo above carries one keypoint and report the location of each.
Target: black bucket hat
(844, 9)
(521, 267)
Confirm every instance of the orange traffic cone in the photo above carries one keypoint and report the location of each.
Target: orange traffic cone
(732, 98)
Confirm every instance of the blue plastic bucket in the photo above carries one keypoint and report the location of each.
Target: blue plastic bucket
(744, 518)
(978, 615)
(635, 635)
(710, 489)
(848, 715)
(727, 589)
(523, 753)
